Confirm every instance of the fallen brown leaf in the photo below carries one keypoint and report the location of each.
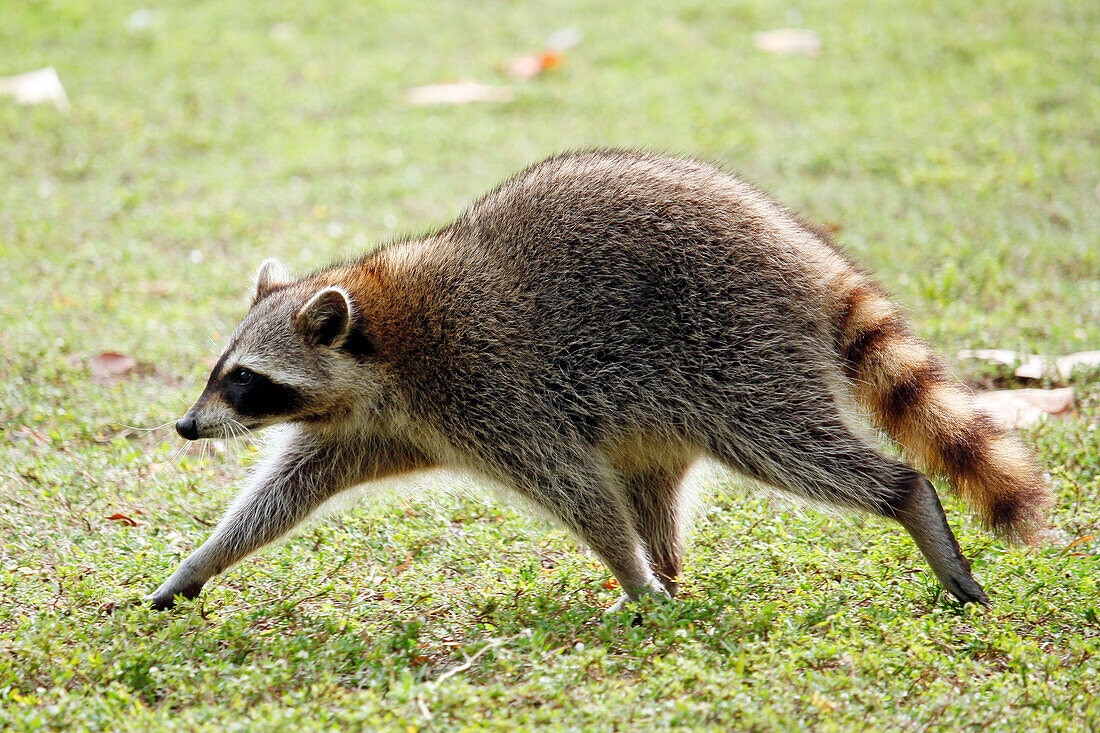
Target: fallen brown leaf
(460, 92)
(1079, 541)
(33, 436)
(111, 365)
(1020, 407)
(1081, 360)
(124, 519)
(788, 41)
(1034, 366)
(403, 566)
(153, 469)
(531, 65)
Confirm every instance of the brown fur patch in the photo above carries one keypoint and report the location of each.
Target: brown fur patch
(1007, 512)
(966, 453)
(381, 291)
(870, 340)
(906, 396)
(859, 294)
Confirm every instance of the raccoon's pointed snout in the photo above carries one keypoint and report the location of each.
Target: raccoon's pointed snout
(188, 427)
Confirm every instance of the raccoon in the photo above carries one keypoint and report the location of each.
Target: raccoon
(582, 335)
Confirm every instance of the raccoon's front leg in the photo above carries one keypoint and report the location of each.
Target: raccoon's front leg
(300, 474)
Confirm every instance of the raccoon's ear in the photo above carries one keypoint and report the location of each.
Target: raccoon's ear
(270, 276)
(326, 318)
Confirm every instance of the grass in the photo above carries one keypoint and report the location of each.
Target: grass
(953, 145)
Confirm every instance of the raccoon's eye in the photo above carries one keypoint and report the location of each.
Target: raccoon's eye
(242, 375)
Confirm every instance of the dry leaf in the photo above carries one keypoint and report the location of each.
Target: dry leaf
(993, 356)
(565, 39)
(153, 469)
(1025, 366)
(1020, 407)
(1033, 366)
(788, 41)
(823, 702)
(1080, 540)
(1081, 360)
(33, 436)
(124, 519)
(531, 65)
(460, 92)
(397, 570)
(142, 19)
(111, 365)
(36, 87)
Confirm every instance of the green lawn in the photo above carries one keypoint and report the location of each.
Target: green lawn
(954, 146)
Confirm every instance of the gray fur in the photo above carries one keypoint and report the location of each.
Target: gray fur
(581, 335)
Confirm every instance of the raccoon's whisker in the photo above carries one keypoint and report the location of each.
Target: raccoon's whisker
(242, 430)
(145, 431)
(247, 436)
(235, 436)
(238, 438)
(177, 454)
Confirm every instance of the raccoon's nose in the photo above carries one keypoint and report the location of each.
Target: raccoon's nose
(188, 427)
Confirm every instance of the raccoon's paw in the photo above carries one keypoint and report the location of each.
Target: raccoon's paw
(622, 605)
(619, 605)
(965, 588)
(160, 603)
(655, 594)
(164, 598)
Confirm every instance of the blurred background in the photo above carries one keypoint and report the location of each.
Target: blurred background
(950, 146)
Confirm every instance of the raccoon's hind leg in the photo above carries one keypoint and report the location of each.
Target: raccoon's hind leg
(651, 476)
(810, 452)
(654, 494)
(580, 495)
(918, 509)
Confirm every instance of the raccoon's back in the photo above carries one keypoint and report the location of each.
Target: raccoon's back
(618, 283)
(605, 291)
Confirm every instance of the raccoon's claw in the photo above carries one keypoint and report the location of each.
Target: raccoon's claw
(967, 590)
(657, 592)
(160, 603)
(618, 606)
(162, 599)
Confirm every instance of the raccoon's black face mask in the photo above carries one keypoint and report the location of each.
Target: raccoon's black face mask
(286, 361)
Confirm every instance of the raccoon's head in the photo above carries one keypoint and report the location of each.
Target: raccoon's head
(296, 356)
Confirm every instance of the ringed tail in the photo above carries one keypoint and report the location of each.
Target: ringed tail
(914, 398)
